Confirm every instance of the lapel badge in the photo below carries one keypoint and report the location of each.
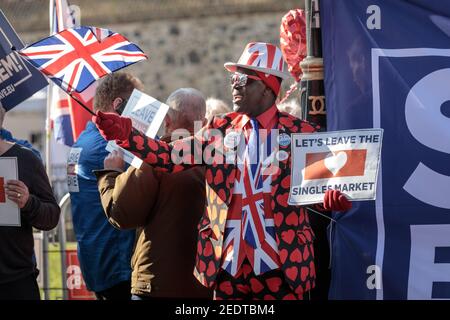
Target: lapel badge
(282, 155)
(284, 140)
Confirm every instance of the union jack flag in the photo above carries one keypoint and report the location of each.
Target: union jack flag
(61, 111)
(67, 118)
(244, 235)
(76, 57)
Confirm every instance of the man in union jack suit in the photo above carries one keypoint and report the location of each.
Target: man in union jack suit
(252, 244)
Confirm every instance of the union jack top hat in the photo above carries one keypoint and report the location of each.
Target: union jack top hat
(262, 57)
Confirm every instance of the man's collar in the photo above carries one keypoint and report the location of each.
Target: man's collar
(266, 117)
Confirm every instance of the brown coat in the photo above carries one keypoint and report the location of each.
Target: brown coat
(165, 210)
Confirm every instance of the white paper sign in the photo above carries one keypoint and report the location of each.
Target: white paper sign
(72, 169)
(147, 115)
(344, 160)
(9, 211)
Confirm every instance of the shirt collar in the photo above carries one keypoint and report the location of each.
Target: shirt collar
(267, 117)
(266, 120)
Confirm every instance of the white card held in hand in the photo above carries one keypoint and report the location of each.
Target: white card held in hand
(147, 115)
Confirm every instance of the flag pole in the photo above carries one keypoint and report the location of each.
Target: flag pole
(81, 104)
(48, 169)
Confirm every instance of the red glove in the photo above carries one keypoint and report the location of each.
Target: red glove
(334, 200)
(112, 126)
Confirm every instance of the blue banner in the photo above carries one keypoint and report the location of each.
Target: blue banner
(387, 65)
(18, 79)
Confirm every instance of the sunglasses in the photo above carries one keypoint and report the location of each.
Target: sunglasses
(241, 79)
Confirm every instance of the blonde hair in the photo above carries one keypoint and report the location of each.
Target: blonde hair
(216, 106)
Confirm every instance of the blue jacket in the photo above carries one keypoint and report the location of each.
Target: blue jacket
(103, 251)
(6, 135)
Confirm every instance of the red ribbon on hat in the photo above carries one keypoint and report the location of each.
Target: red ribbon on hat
(271, 81)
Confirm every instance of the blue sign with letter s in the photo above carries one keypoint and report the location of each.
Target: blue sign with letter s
(387, 65)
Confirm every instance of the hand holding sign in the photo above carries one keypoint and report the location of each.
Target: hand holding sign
(112, 126)
(146, 115)
(17, 192)
(334, 200)
(114, 161)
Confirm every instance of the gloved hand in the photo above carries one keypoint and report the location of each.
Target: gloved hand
(334, 200)
(112, 126)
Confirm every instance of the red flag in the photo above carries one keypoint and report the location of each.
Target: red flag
(2, 190)
(78, 116)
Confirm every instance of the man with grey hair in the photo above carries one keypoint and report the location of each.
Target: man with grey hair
(164, 208)
(186, 106)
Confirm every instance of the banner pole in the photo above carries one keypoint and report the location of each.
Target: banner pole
(48, 167)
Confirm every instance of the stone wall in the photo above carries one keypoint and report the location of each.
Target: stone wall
(190, 52)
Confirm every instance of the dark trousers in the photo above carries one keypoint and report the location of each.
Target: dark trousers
(319, 225)
(121, 291)
(22, 289)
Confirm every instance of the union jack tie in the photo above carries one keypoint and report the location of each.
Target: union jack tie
(250, 229)
(250, 216)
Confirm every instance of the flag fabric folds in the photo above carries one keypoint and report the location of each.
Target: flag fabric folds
(62, 111)
(74, 58)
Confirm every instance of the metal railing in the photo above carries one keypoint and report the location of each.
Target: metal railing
(57, 235)
(65, 209)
